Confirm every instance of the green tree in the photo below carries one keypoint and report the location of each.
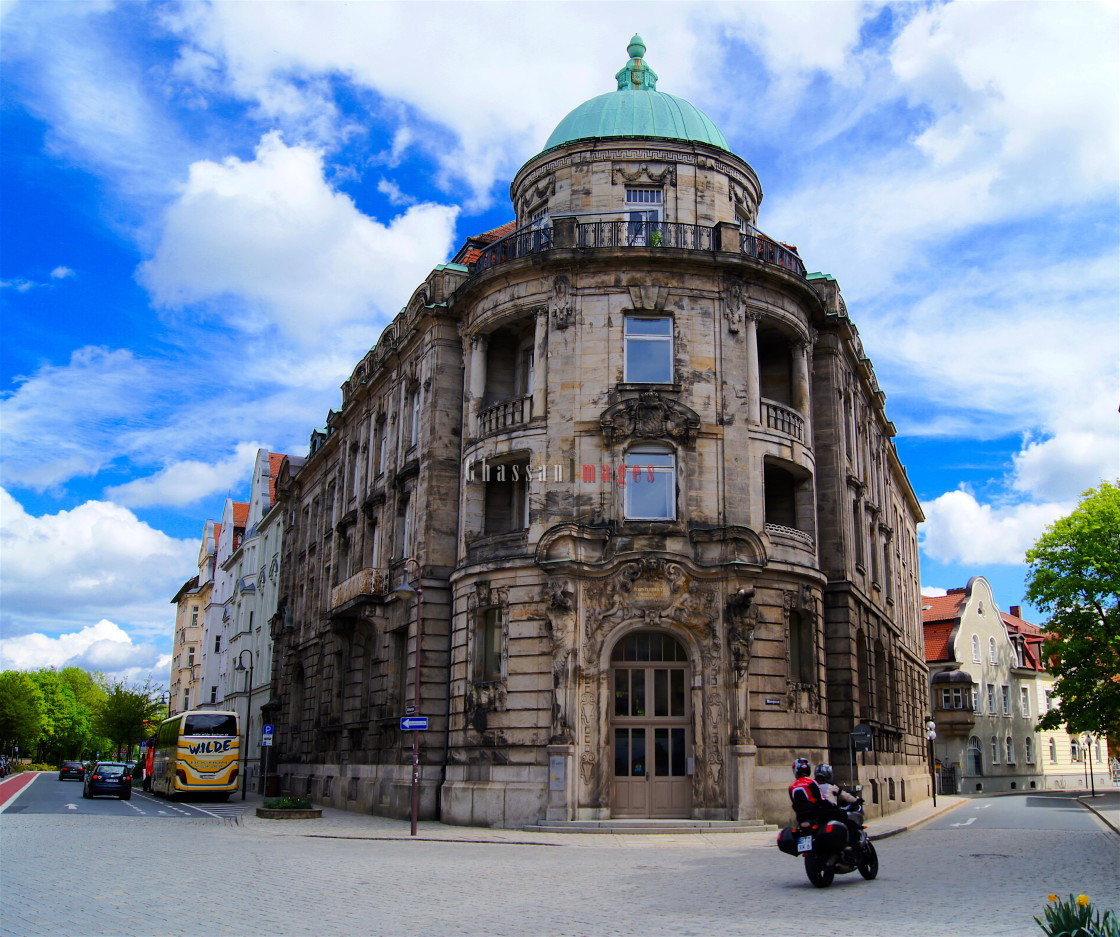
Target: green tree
(1075, 577)
(21, 711)
(128, 714)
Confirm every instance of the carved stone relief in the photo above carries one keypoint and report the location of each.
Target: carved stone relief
(734, 303)
(646, 296)
(560, 618)
(560, 303)
(649, 416)
(644, 174)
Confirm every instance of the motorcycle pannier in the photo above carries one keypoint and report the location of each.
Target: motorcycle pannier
(787, 841)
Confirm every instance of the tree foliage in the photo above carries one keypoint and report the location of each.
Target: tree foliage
(1075, 577)
(129, 714)
(22, 711)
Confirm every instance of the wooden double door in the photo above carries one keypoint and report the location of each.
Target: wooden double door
(651, 731)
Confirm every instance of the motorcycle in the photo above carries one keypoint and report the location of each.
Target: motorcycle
(827, 849)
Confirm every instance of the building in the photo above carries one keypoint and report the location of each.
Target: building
(190, 609)
(989, 687)
(638, 461)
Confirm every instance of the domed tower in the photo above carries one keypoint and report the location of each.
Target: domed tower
(682, 521)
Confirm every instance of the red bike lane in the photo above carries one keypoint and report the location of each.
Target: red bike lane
(12, 785)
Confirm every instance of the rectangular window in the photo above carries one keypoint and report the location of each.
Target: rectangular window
(488, 646)
(1025, 701)
(651, 485)
(186, 699)
(213, 694)
(414, 422)
(952, 697)
(190, 656)
(506, 498)
(643, 213)
(194, 617)
(382, 446)
(649, 350)
(217, 644)
(991, 699)
(1005, 691)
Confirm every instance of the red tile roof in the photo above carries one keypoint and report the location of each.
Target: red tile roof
(472, 248)
(942, 607)
(937, 637)
(274, 461)
(240, 513)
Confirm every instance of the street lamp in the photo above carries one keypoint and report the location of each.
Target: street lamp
(1089, 752)
(240, 667)
(931, 734)
(404, 590)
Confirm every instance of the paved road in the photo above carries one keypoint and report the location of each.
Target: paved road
(86, 875)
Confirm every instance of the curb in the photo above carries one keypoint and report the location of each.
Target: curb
(1105, 818)
(894, 831)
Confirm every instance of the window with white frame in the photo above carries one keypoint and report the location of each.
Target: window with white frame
(992, 659)
(649, 350)
(991, 699)
(1025, 701)
(186, 699)
(651, 483)
(1028, 750)
(643, 214)
(976, 647)
(1005, 692)
(953, 697)
(1074, 750)
(994, 745)
(1009, 744)
(1053, 752)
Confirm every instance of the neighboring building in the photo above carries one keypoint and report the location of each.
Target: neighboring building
(190, 612)
(641, 458)
(989, 686)
(219, 626)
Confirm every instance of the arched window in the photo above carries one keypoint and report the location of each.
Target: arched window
(975, 757)
(994, 745)
(1009, 745)
(1028, 750)
(975, 647)
(1053, 752)
(651, 483)
(992, 651)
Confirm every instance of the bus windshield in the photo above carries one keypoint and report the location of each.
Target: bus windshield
(210, 724)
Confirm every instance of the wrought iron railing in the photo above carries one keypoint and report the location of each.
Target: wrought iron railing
(505, 415)
(522, 243)
(619, 233)
(765, 249)
(784, 420)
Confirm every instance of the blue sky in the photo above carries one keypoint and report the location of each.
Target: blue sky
(212, 209)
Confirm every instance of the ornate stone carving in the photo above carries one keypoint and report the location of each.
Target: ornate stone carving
(742, 619)
(652, 591)
(648, 296)
(542, 188)
(644, 174)
(560, 619)
(560, 303)
(649, 416)
(734, 303)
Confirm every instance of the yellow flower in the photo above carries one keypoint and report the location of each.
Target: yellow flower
(1083, 900)
(1051, 897)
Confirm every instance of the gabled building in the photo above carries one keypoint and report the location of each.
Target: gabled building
(637, 458)
(988, 687)
(190, 604)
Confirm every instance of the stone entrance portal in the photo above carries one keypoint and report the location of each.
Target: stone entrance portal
(651, 733)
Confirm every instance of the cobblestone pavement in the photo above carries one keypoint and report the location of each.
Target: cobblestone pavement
(86, 876)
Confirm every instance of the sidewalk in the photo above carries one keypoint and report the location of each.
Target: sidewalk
(344, 824)
(1105, 805)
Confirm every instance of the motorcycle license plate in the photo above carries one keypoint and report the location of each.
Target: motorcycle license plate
(804, 843)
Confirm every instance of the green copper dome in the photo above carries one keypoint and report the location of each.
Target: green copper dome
(637, 109)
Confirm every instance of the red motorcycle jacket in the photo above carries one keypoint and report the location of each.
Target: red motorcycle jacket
(806, 797)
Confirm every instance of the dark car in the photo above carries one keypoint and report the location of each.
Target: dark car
(108, 777)
(72, 769)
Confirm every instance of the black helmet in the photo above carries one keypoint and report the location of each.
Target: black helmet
(824, 774)
(802, 768)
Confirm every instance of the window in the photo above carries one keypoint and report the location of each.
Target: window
(506, 494)
(650, 483)
(953, 697)
(488, 646)
(217, 644)
(643, 209)
(1074, 750)
(991, 699)
(213, 694)
(414, 421)
(975, 647)
(405, 529)
(190, 656)
(1028, 750)
(211, 723)
(1025, 701)
(649, 350)
(1009, 745)
(992, 651)
(194, 617)
(995, 750)
(1005, 692)
(382, 446)
(186, 699)
(1046, 698)
(1097, 751)
(1053, 752)
(975, 757)
(801, 658)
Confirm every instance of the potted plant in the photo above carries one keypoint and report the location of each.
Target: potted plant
(289, 808)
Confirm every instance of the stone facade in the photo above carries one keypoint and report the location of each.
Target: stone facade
(664, 538)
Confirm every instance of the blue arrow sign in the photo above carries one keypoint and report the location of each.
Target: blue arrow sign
(414, 723)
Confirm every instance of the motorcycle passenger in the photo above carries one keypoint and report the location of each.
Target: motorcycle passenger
(805, 794)
(834, 796)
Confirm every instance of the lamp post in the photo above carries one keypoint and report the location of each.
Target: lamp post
(931, 734)
(1089, 753)
(404, 590)
(240, 668)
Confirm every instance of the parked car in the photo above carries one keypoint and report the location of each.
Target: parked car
(5, 767)
(74, 770)
(108, 777)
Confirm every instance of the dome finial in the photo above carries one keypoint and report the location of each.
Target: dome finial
(635, 75)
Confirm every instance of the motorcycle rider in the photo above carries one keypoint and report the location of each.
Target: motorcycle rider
(804, 793)
(834, 796)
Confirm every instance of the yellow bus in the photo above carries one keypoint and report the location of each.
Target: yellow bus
(197, 752)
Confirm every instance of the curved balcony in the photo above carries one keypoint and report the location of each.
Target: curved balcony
(784, 420)
(505, 416)
(621, 234)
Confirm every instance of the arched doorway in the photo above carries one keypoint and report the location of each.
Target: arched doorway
(651, 733)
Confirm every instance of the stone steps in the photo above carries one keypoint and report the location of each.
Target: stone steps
(650, 826)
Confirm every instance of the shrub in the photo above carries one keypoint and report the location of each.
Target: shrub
(1075, 917)
(288, 803)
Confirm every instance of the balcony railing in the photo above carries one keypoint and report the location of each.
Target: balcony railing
(790, 533)
(617, 233)
(507, 415)
(522, 243)
(367, 581)
(623, 233)
(762, 247)
(784, 420)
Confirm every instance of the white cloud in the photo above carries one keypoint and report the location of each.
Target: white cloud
(959, 529)
(98, 559)
(274, 235)
(61, 273)
(187, 482)
(19, 284)
(103, 646)
(933, 592)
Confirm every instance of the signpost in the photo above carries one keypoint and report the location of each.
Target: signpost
(931, 734)
(266, 736)
(414, 723)
(859, 740)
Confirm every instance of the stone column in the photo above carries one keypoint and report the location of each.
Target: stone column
(754, 379)
(744, 757)
(540, 361)
(801, 379)
(475, 382)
